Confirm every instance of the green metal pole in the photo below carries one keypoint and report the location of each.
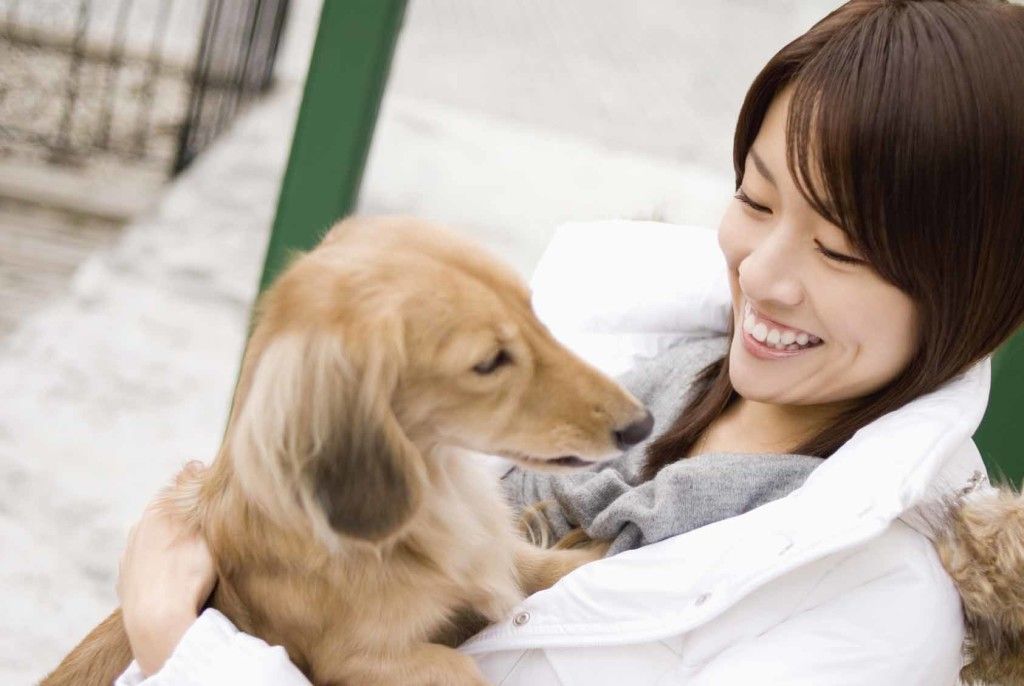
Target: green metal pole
(347, 74)
(1000, 437)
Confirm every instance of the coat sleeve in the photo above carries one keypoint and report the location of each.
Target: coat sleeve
(901, 628)
(214, 653)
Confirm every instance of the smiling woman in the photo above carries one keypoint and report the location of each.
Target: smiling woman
(876, 211)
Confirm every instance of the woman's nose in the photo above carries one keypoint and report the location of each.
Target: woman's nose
(771, 272)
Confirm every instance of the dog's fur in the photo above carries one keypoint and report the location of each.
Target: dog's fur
(349, 520)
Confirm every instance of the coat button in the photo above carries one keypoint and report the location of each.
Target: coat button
(701, 599)
(521, 618)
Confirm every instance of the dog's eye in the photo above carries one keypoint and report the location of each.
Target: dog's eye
(501, 358)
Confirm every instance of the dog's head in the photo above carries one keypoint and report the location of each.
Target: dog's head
(389, 339)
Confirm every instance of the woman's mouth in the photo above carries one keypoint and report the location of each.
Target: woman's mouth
(767, 339)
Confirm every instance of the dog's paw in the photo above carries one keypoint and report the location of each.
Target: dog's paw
(578, 539)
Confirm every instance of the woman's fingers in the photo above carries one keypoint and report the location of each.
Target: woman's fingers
(163, 547)
(165, 574)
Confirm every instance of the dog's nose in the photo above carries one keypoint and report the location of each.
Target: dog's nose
(635, 432)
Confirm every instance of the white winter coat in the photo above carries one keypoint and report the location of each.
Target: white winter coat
(836, 583)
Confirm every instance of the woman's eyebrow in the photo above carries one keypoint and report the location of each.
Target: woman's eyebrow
(760, 165)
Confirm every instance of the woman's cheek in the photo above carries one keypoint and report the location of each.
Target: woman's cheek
(899, 339)
(878, 332)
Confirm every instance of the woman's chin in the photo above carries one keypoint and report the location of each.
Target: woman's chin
(753, 380)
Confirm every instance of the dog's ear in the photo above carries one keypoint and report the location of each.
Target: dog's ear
(317, 429)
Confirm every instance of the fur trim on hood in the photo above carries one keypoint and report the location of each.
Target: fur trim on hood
(981, 544)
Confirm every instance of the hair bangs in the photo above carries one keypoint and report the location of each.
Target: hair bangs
(848, 132)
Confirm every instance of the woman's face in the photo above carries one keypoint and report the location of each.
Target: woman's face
(811, 327)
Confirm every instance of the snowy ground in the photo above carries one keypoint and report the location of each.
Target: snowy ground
(112, 386)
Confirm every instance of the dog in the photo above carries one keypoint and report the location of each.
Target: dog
(349, 512)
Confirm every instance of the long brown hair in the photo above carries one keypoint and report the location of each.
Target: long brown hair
(911, 112)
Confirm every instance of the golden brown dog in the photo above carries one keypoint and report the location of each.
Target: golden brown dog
(349, 519)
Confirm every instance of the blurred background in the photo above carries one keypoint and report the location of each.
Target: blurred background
(142, 149)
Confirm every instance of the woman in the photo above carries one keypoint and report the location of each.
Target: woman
(870, 263)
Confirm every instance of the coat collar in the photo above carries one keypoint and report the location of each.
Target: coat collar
(898, 466)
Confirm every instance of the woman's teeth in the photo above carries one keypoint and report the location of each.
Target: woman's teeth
(773, 337)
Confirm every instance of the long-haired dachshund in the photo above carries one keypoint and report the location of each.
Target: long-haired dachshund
(348, 516)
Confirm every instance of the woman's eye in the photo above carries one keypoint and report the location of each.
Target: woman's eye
(838, 257)
(830, 254)
(743, 198)
(489, 366)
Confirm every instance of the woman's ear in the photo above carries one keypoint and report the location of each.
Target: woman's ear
(317, 430)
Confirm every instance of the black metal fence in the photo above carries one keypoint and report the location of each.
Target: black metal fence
(149, 82)
(236, 61)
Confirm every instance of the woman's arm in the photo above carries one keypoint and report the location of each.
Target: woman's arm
(166, 575)
(212, 652)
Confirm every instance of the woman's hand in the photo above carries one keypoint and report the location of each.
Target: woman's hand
(166, 574)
